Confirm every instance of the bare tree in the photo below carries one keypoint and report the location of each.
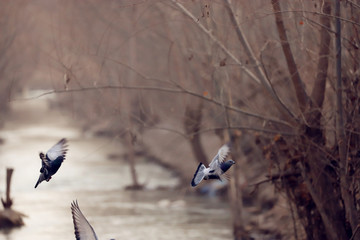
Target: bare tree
(206, 70)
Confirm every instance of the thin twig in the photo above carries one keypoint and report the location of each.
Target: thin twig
(246, 128)
(276, 177)
(215, 40)
(352, 43)
(317, 13)
(354, 4)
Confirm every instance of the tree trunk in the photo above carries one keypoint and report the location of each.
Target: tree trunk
(323, 188)
(235, 189)
(345, 180)
(325, 194)
(130, 140)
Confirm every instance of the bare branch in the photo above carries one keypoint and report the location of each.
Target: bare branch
(318, 92)
(247, 71)
(318, 13)
(257, 66)
(215, 40)
(169, 130)
(247, 128)
(260, 73)
(354, 4)
(159, 89)
(294, 73)
(351, 42)
(276, 177)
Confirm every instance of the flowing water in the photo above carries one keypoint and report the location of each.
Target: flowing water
(98, 184)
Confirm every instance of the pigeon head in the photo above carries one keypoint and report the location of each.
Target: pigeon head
(230, 161)
(226, 165)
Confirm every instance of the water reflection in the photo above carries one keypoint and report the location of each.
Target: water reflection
(97, 183)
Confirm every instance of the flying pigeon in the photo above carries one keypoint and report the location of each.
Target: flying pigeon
(52, 161)
(216, 169)
(83, 229)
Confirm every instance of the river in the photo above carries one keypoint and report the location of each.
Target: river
(97, 182)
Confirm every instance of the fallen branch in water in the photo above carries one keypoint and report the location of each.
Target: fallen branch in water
(10, 218)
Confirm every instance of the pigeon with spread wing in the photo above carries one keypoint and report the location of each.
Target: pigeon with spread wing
(216, 169)
(51, 162)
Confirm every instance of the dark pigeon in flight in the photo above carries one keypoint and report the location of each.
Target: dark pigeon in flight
(83, 229)
(51, 162)
(216, 169)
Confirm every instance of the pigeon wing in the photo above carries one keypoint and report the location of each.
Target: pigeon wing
(220, 157)
(57, 150)
(45, 163)
(199, 175)
(83, 229)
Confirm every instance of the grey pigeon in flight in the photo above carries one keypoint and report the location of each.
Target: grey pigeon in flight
(51, 162)
(216, 169)
(83, 229)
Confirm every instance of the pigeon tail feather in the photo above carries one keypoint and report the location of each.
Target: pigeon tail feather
(37, 183)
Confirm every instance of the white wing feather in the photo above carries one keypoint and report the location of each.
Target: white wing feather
(83, 229)
(59, 149)
(220, 157)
